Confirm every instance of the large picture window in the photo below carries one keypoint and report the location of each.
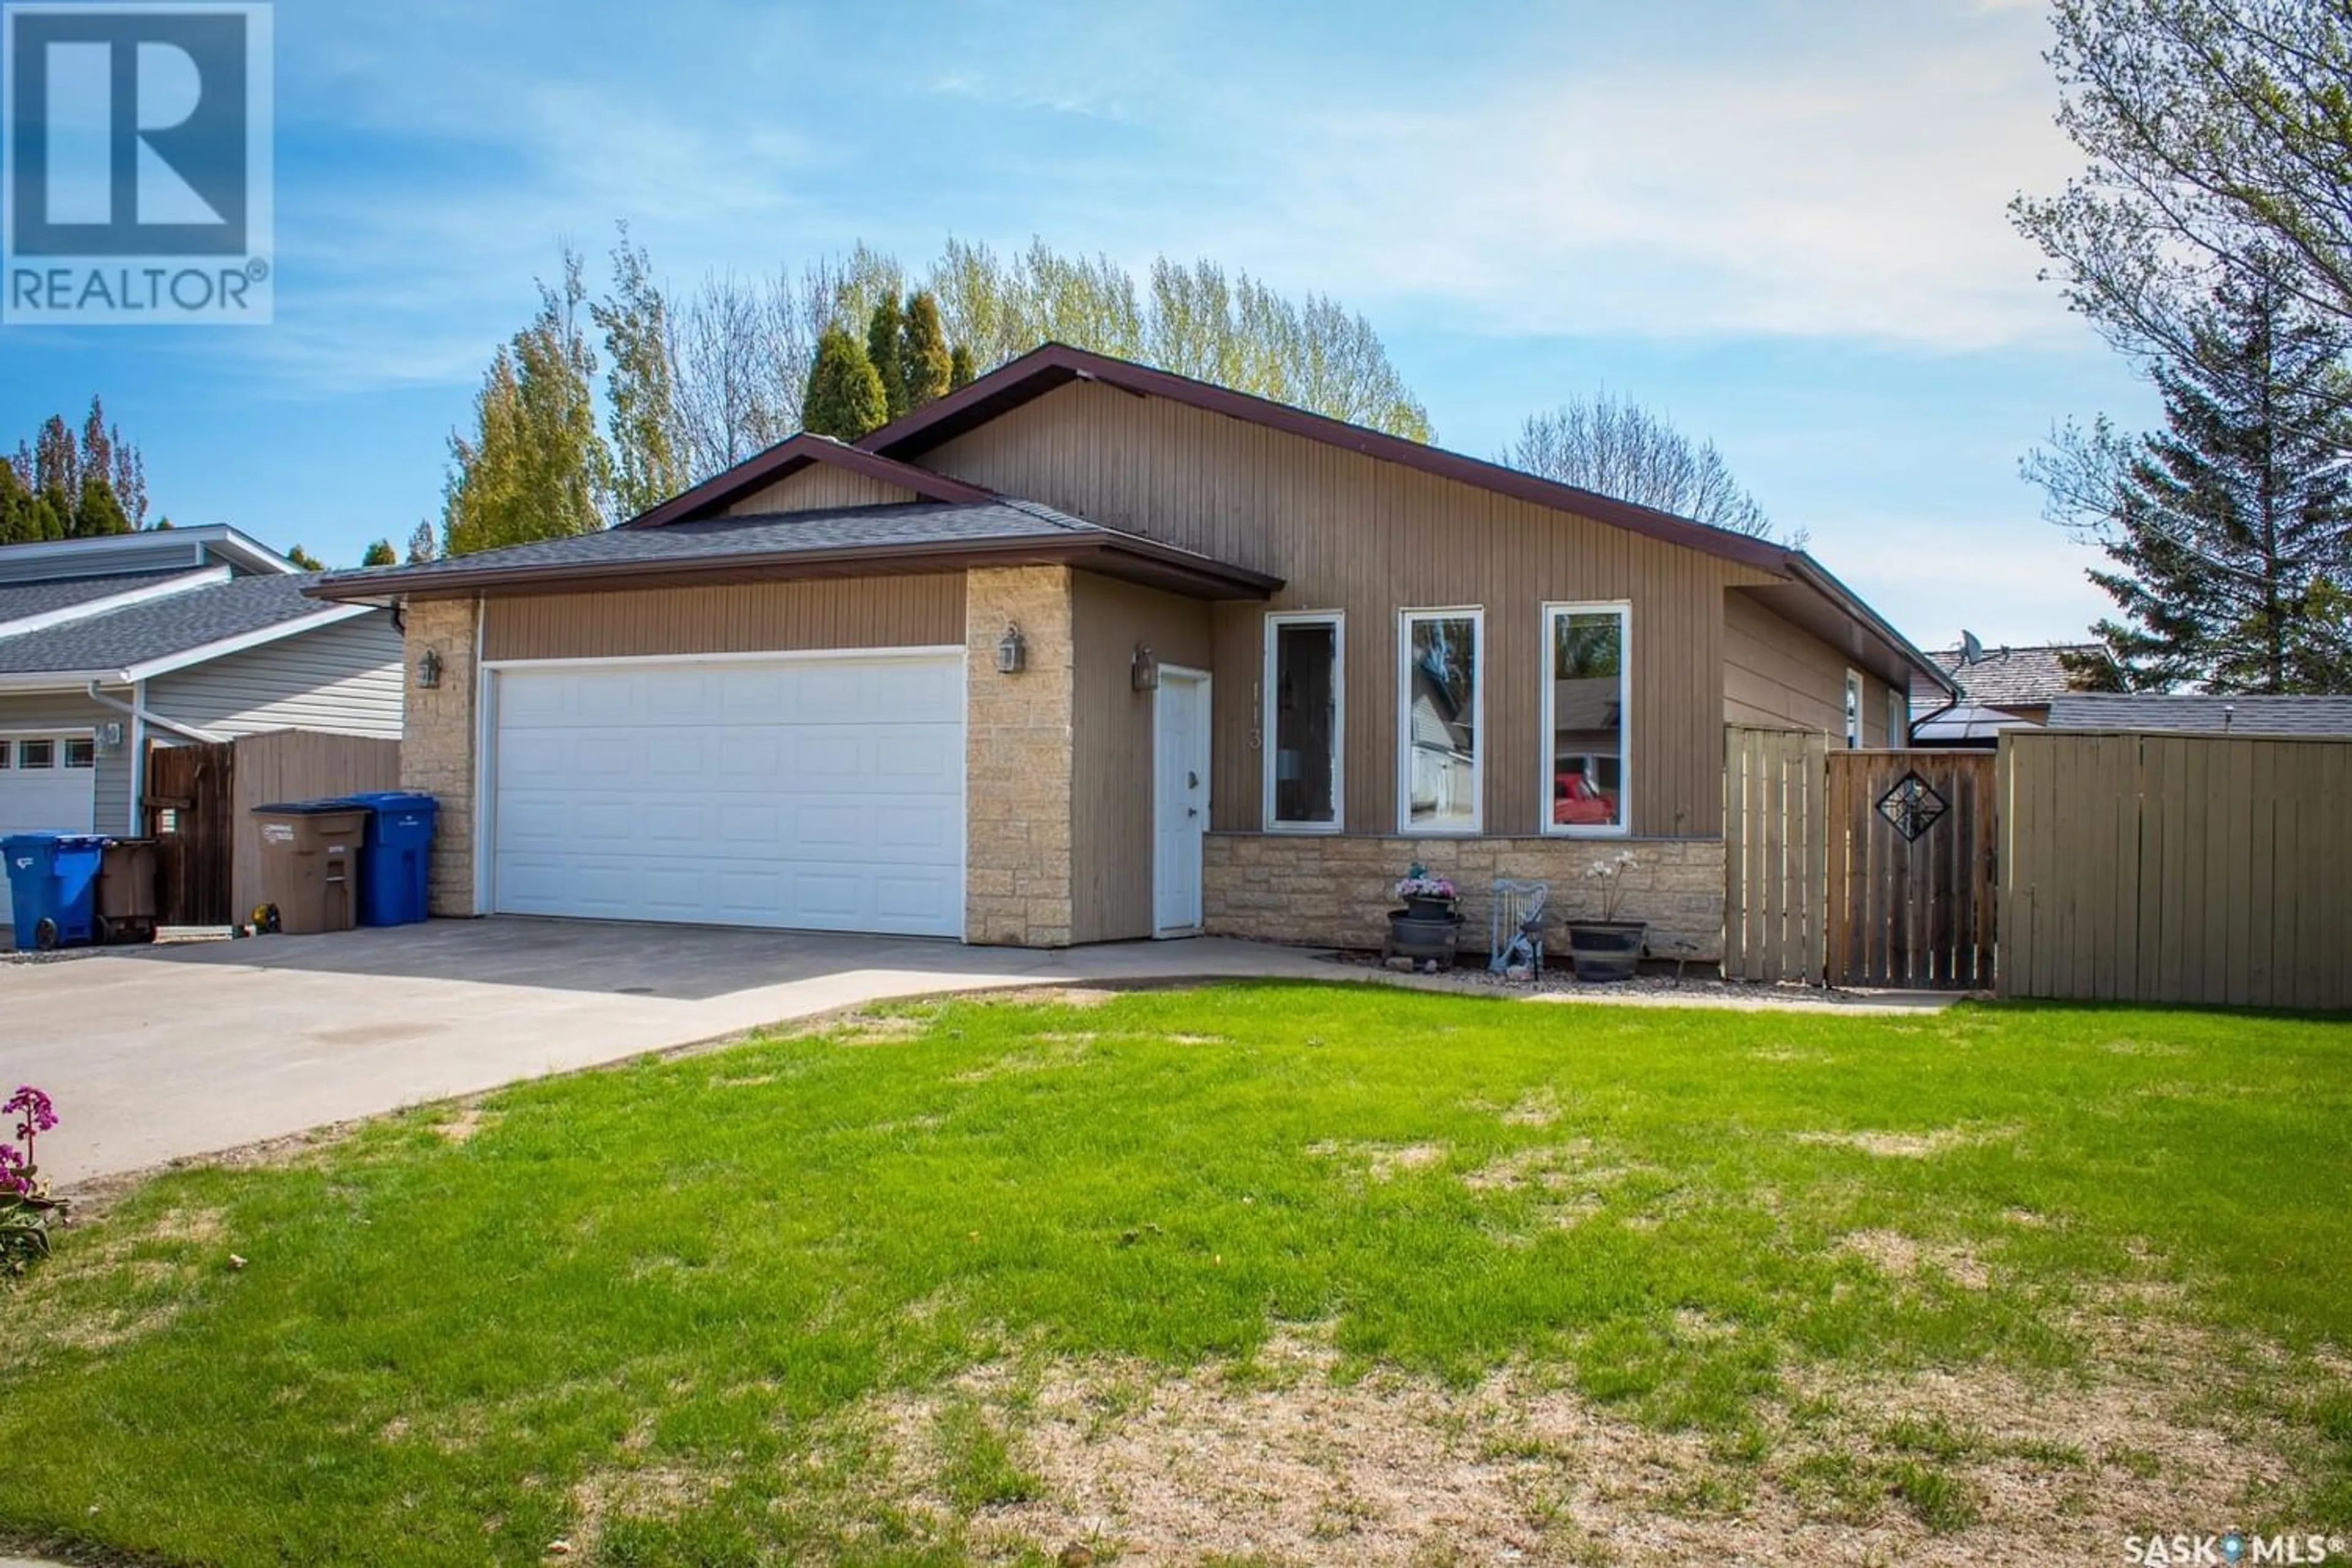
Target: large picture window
(1440, 770)
(1585, 696)
(1305, 668)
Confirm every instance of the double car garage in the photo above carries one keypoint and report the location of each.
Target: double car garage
(819, 792)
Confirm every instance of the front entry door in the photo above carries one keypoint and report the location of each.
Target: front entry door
(1180, 798)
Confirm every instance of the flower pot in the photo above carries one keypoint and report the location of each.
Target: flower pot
(1410, 936)
(1423, 907)
(1604, 950)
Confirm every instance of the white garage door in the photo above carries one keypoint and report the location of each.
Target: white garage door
(48, 784)
(820, 794)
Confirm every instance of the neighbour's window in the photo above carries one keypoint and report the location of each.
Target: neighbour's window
(8, 755)
(1439, 769)
(36, 753)
(1852, 711)
(1585, 696)
(1898, 720)
(1305, 691)
(81, 754)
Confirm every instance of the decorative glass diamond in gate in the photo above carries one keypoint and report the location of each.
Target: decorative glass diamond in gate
(1912, 806)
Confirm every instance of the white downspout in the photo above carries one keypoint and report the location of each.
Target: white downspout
(135, 827)
(137, 709)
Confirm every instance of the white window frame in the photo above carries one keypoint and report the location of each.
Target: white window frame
(66, 751)
(1898, 718)
(1269, 736)
(1476, 615)
(1623, 826)
(40, 767)
(1853, 717)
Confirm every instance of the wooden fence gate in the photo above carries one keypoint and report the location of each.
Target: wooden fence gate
(188, 804)
(1911, 880)
(1857, 867)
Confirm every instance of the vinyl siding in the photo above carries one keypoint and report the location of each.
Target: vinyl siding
(821, 485)
(347, 679)
(63, 712)
(1778, 676)
(1353, 533)
(745, 617)
(1111, 857)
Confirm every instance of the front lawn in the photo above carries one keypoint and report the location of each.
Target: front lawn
(1273, 1273)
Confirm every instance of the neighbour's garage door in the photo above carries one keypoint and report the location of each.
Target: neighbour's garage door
(820, 794)
(48, 784)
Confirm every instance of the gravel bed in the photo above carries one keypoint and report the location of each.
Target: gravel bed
(1648, 986)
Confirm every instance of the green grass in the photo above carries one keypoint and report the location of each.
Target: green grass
(690, 1282)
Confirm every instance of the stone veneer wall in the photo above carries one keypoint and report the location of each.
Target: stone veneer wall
(1017, 739)
(437, 745)
(1334, 890)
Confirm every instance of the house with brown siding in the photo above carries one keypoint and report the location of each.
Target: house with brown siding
(1087, 652)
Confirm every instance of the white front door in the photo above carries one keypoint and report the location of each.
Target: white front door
(822, 793)
(1180, 798)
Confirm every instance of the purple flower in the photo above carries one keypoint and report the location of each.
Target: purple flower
(33, 1107)
(12, 1180)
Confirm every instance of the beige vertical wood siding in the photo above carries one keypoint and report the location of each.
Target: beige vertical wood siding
(1780, 676)
(2197, 869)
(295, 764)
(818, 486)
(1354, 534)
(744, 617)
(1111, 739)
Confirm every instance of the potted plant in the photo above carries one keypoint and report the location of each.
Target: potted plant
(1427, 929)
(1607, 948)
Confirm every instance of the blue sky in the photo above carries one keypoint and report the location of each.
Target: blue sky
(1779, 223)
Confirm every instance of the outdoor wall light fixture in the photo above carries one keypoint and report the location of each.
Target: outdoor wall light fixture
(428, 670)
(1144, 673)
(1012, 652)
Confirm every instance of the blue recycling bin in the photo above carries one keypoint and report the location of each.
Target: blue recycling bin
(395, 856)
(53, 888)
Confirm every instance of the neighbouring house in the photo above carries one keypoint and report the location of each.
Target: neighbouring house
(2244, 715)
(1086, 651)
(2020, 682)
(109, 645)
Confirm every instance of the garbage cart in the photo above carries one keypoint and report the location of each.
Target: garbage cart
(396, 856)
(127, 910)
(52, 888)
(310, 866)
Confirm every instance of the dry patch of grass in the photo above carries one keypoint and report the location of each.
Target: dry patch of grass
(1907, 1145)
(1380, 1162)
(1903, 1256)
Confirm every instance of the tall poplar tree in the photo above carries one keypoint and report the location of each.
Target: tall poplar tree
(925, 364)
(885, 327)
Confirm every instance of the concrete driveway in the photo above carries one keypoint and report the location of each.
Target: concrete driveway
(162, 1053)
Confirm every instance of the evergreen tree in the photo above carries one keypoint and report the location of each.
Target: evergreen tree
(16, 507)
(423, 544)
(925, 363)
(640, 385)
(885, 329)
(960, 371)
(844, 397)
(380, 553)
(95, 511)
(535, 467)
(2230, 529)
(304, 559)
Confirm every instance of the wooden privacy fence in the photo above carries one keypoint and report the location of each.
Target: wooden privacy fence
(1911, 876)
(2158, 867)
(1774, 848)
(200, 801)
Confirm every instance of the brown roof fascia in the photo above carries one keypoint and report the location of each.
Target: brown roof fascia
(1115, 555)
(1055, 364)
(789, 455)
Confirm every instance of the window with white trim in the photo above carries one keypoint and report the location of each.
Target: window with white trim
(1586, 697)
(1852, 711)
(36, 753)
(1440, 720)
(81, 752)
(1898, 718)
(1306, 721)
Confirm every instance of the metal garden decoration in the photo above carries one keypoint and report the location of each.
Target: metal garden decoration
(1913, 805)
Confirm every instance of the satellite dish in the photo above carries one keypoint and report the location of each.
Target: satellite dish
(1971, 650)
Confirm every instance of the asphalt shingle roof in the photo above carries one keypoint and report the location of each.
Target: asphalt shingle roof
(2012, 676)
(18, 600)
(2204, 715)
(161, 627)
(849, 528)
